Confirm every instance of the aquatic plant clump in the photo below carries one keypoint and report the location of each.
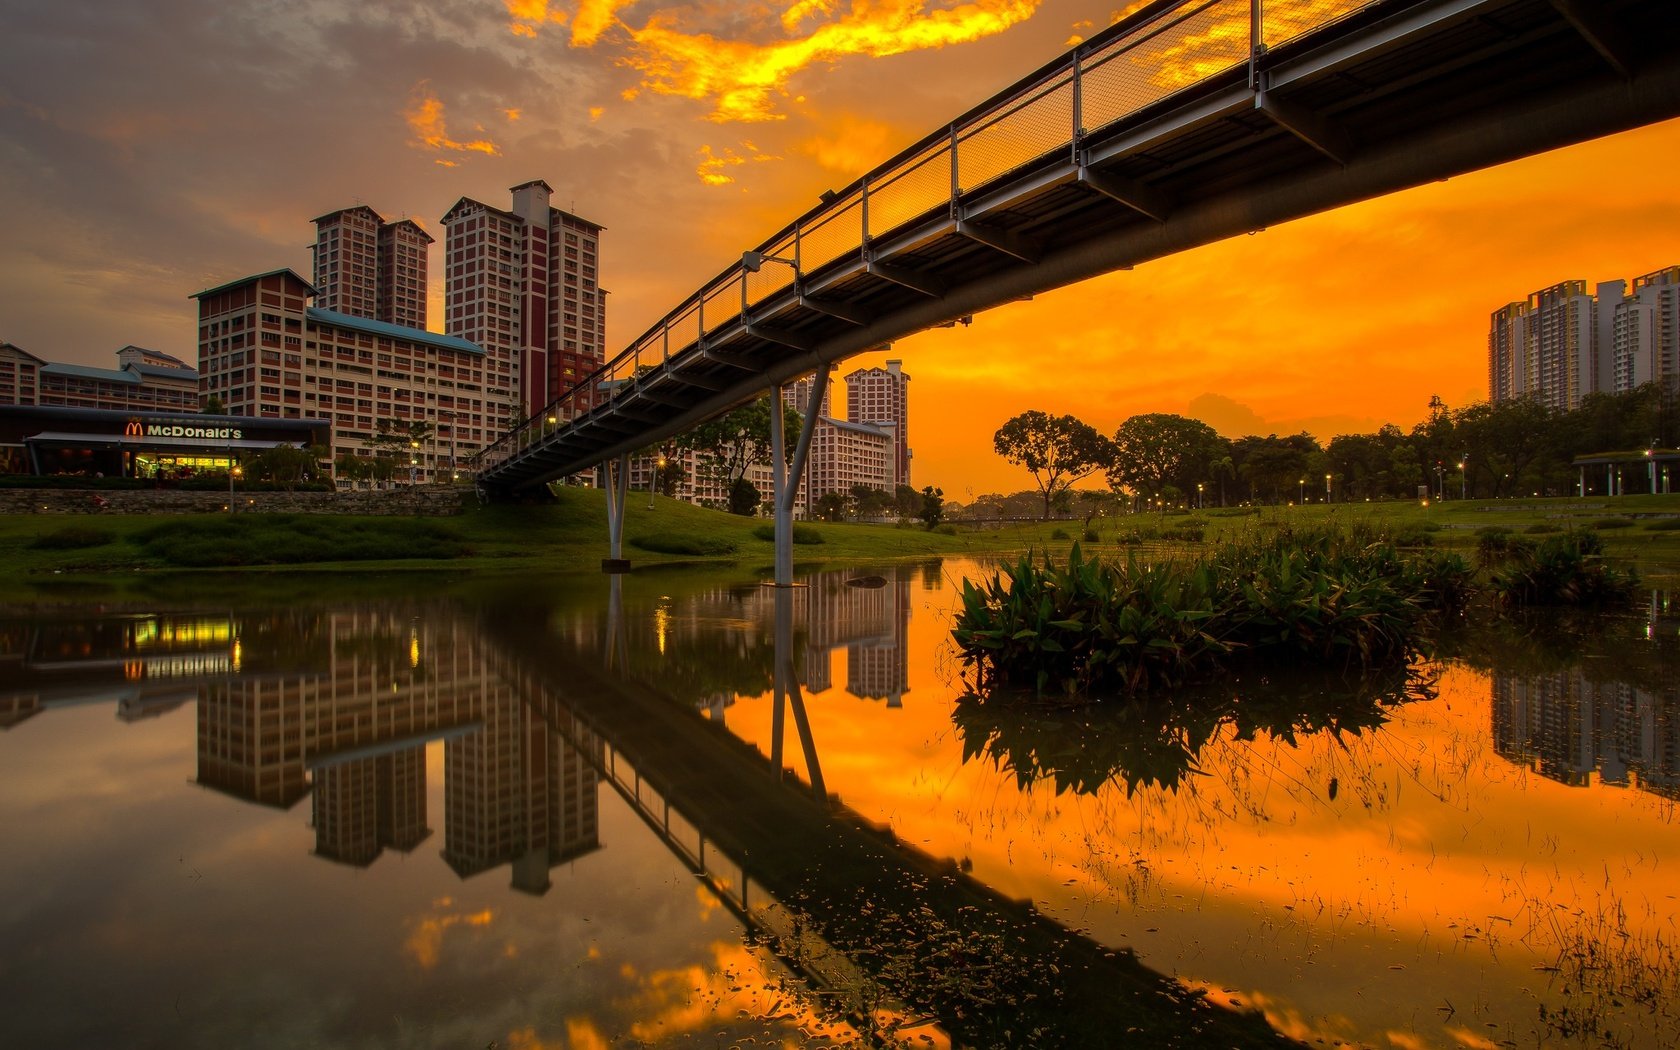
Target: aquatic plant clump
(1566, 569)
(1096, 628)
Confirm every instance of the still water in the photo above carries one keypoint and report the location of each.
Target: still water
(674, 810)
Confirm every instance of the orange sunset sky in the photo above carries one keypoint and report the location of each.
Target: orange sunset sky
(171, 145)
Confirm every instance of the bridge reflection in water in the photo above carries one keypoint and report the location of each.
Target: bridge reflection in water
(535, 705)
(890, 935)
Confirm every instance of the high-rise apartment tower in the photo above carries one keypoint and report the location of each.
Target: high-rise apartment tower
(522, 284)
(367, 267)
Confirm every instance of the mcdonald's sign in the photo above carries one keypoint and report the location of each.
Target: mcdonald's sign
(134, 429)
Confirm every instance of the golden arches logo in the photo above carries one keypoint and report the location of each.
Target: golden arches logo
(133, 429)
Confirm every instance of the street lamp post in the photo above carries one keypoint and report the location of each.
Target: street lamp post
(1326, 488)
(1463, 478)
(454, 469)
(1303, 492)
(659, 468)
(1199, 501)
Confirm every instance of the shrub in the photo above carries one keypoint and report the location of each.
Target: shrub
(284, 539)
(945, 530)
(1612, 523)
(1542, 528)
(804, 535)
(1663, 525)
(1182, 534)
(696, 546)
(1095, 627)
(1417, 535)
(1090, 535)
(72, 538)
(1060, 534)
(1497, 544)
(1568, 569)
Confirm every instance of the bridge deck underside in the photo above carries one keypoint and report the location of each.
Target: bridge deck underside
(1396, 95)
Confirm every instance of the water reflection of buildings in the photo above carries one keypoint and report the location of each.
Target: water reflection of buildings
(1569, 727)
(352, 723)
(715, 645)
(146, 663)
(338, 705)
(871, 624)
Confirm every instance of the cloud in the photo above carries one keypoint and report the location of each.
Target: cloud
(425, 940)
(425, 119)
(741, 75)
(712, 165)
(852, 145)
(1231, 418)
(595, 17)
(527, 16)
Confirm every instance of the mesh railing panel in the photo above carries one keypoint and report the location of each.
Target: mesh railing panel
(1024, 131)
(1127, 75)
(773, 276)
(1284, 20)
(910, 190)
(836, 234)
(723, 306)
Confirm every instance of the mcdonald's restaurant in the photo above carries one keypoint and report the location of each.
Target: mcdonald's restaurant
(47, 440)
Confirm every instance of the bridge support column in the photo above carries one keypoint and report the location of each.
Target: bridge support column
(785, 478)
(615, 478)
(785, 685)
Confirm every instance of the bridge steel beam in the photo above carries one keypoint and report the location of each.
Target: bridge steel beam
(785, 477)
(1495, 136)
(615, 478)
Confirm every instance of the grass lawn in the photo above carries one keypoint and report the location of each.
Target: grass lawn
(570, 535)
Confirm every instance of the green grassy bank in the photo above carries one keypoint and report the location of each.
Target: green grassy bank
(570, 536)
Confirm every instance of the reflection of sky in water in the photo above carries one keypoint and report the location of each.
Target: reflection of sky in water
(141, 910)
(1421, 902)
(1423, 906)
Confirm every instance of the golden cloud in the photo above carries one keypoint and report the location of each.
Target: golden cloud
(742, 77)
(529, 15)
(851, 144)
(425, 941)
(712, 165)
(425, 118)
(595, 17)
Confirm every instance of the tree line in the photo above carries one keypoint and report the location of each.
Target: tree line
(1487, 450)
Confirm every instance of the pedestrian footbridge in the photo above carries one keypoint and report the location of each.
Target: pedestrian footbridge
(1185, 123)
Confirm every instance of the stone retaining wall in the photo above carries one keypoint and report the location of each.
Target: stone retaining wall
(429, 501)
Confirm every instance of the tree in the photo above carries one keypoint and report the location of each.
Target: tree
(1274, 466)
(933, 507)
(743, 498)
(907, 502)
(352, 467)
(213, 406)
(285, 465)
(730, 443)
(1509, 438)
(870, 502)
(392, 440)
(831, 506)
(1158, 450)
(1059, 451)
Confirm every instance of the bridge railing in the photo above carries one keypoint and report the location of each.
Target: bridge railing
(1164, 48)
